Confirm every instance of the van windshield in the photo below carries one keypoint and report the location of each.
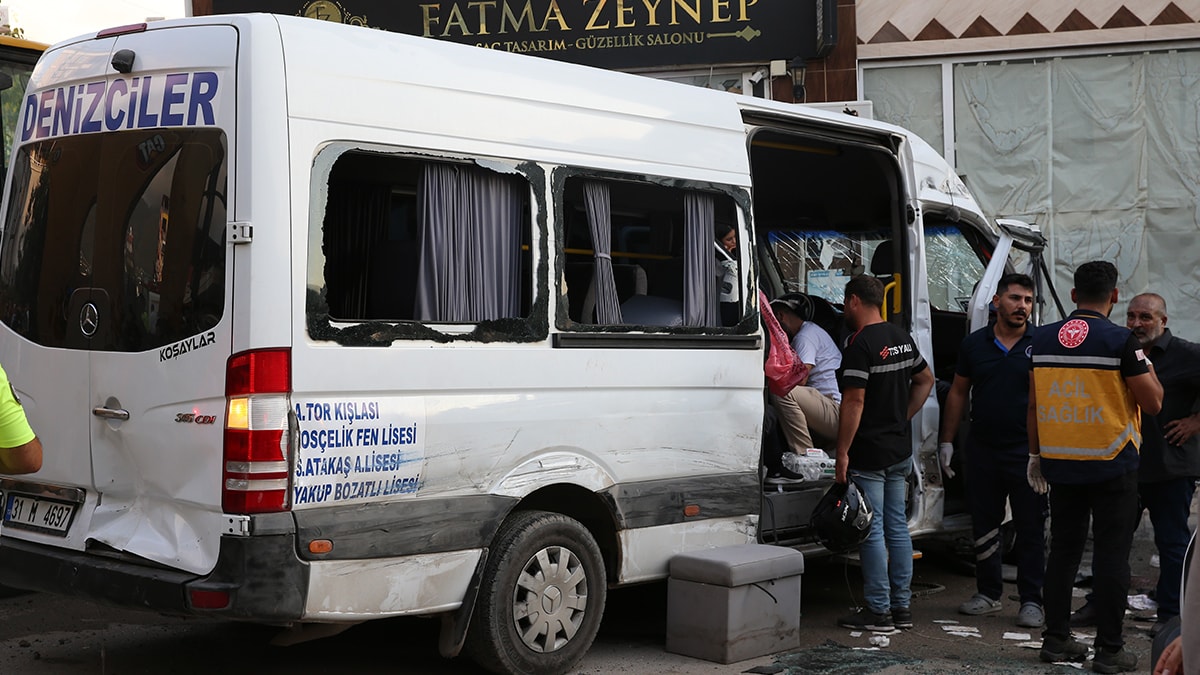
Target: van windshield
(116, 241)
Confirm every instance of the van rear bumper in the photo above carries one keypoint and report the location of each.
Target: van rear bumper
(262, 575)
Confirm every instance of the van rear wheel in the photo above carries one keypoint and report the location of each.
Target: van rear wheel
(541, 596)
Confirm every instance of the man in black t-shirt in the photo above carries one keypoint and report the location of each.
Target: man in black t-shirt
(884, 383)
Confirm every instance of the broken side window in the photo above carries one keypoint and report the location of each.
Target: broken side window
(645, 254)
(412, 239)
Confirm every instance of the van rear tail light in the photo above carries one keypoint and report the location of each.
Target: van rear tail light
(257, 453)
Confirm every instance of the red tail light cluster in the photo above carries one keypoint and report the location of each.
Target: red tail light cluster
(257, 464)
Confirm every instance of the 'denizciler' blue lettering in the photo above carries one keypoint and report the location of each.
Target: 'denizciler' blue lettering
(150, 101)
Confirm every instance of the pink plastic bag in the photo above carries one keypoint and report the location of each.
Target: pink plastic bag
(784, 370)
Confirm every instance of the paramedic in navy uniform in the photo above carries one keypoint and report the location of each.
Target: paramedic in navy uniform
(884, 383)
(993, 365)
(1089, 378)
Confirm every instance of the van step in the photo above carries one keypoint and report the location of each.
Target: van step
(854, 559)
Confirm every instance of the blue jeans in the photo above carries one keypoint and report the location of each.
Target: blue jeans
(886, 555)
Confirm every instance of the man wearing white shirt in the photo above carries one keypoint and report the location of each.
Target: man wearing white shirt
(812, 406)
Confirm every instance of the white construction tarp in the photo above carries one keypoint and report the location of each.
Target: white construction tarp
(1102, 151)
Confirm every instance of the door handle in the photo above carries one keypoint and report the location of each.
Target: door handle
(110, 414)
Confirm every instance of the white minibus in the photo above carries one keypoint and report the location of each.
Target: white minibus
(400, 327)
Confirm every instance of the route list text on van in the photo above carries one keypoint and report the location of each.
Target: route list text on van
(173, 100)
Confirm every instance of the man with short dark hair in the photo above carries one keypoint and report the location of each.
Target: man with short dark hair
(993, 366)
(1089, 379)
(884, 383)
(1170, 452)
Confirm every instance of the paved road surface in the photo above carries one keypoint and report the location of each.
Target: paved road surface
(42, 634)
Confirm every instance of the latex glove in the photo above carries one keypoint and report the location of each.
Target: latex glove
(1033, 473)
(945, 453)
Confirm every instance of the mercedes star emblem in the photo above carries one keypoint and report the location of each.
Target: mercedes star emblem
(89, 319)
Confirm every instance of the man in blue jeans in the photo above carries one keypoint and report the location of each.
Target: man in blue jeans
(884, 383)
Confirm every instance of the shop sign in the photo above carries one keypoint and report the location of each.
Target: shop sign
(603, 33)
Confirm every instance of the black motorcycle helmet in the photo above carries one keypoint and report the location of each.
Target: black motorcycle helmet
(842, 519)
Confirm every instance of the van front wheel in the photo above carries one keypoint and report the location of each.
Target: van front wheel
(541, 596)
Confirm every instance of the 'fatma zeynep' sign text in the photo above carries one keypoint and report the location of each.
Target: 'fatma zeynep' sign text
(605, 33)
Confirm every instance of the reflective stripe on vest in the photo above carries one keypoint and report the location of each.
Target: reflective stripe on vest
(1084, 413)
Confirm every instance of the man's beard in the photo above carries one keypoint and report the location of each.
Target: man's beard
(1012, 320)
(1144, 338)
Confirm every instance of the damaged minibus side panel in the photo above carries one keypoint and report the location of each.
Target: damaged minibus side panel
(510, 357)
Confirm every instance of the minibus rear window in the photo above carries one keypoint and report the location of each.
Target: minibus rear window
(116, 241)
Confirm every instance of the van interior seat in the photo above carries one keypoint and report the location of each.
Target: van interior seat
(829, 317)
(631, 281)
(881, 260)
(652, 310)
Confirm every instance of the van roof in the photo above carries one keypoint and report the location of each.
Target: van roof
(553, 110)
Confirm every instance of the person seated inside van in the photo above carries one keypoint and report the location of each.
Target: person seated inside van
(810, 410)
(727, 273)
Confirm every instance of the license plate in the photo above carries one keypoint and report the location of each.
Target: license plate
(34, 513)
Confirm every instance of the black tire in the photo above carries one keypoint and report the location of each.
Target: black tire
(541, 596)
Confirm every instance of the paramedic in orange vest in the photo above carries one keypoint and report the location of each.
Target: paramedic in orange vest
(1090, 376)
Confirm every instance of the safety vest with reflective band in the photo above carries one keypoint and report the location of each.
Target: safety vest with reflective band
(1085, 413)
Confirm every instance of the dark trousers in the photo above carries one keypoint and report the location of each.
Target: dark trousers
(1113, 507)
(995, 475)
(1169, 503)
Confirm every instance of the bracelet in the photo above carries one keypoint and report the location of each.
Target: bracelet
(1035, 454)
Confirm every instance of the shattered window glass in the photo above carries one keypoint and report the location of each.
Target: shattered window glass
(954, 268)
(821, 262)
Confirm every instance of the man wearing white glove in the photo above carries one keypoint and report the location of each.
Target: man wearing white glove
(993, 366)
(1089, 379)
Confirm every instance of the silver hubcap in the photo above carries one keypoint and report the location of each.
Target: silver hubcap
(550, 600)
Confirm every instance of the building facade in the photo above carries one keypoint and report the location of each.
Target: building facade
(1081, 116)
